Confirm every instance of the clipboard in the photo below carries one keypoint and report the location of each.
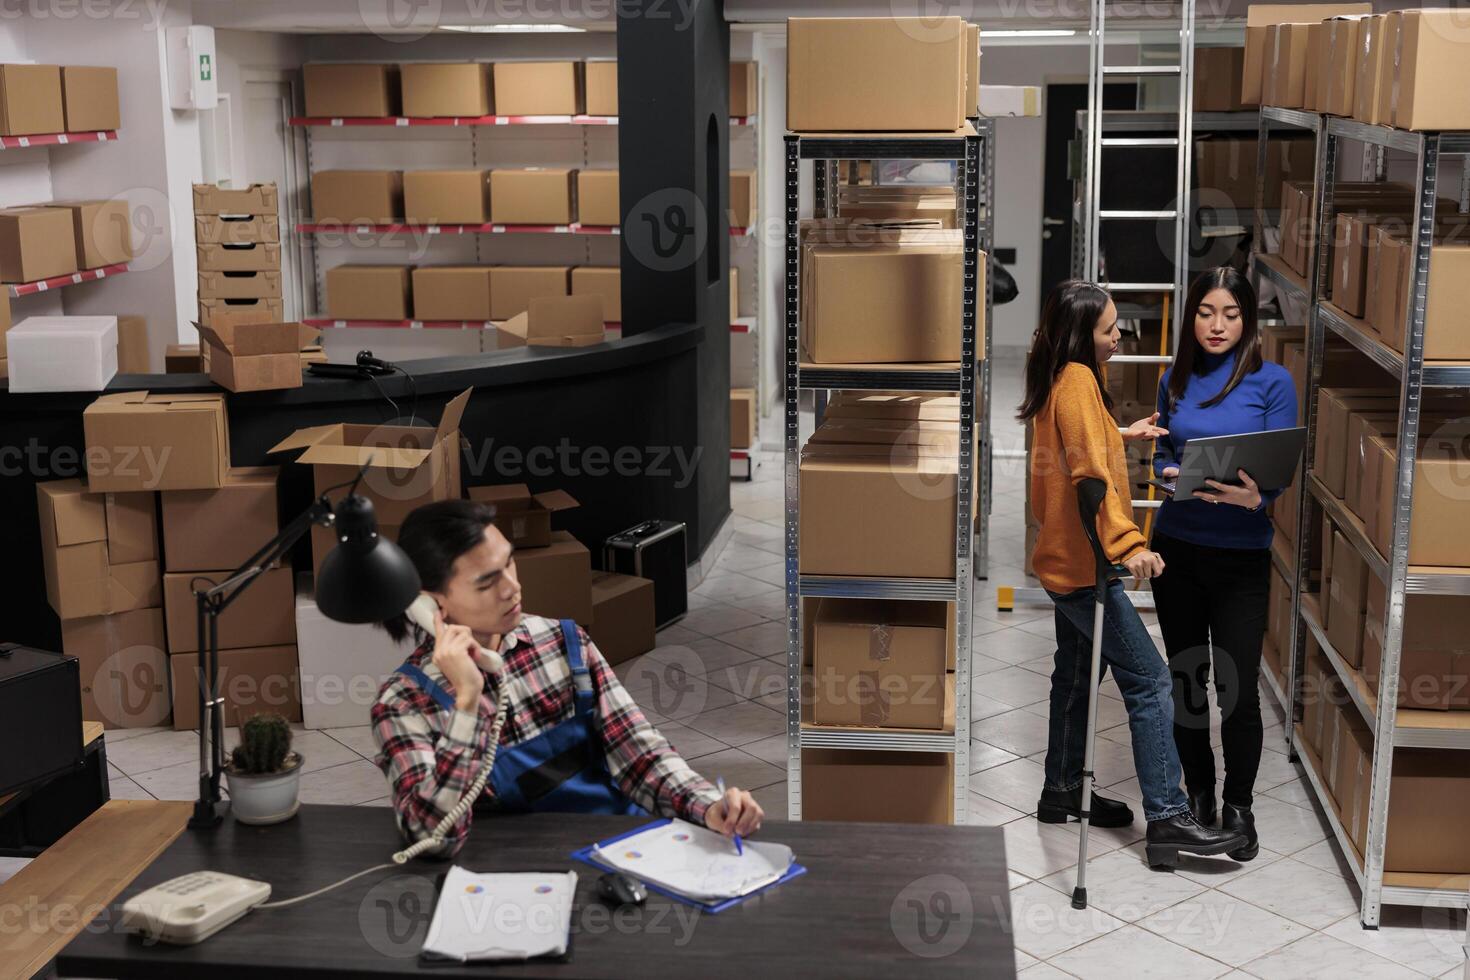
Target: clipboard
(585, 855)
(427, 959)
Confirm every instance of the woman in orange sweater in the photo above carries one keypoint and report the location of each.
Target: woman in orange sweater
(1075, 438)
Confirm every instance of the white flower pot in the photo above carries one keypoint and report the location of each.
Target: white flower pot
(266, 797)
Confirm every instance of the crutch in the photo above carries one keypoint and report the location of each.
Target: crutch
(1090, 494)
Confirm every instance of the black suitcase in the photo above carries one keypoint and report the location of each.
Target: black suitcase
(40, 716)
(654, 550)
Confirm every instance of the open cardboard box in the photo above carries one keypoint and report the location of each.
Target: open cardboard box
(523, 517)
(555, 321)
(253, 356)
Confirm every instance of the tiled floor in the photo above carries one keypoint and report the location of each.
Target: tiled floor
(1290, 913)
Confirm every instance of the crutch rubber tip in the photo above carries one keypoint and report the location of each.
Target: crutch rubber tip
(1079, 898)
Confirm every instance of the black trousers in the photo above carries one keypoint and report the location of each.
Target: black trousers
(1212, 605)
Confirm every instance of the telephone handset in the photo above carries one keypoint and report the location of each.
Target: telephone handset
(421, 612)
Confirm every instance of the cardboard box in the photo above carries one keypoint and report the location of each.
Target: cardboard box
(879, 664)
(1362, 425)
(1313, 699)
(1348, 593)
(258, 284)
(1438, 531)
(533, 196)
(438, 89)
(1354, 745)
(734, 294)
(602, 87)
(512, 287)
(1389, 66)
(98, 551)
(1227, 166)
(182, 359)
(523, 517)
(1319, 61)
(132, 345)
(1433, 70)
(89, 99)
(1334, 406)
(209, 529)
(259, 310)
(607, 283)
(446, 197)
(622, 616)
(1350, 261)
(347, 90)
(5, 323)
(251, 199)
(744, 89)
(888, 74)
(1259, 17)
(263, 615)
(353, 197)
(342, 666)
(1217, 74)
(142, 441)
(742, 210)
(1445, 338)
(36, 243)
(556, 581)
(742, 418)
(1010, 100)
(251, 680)
(538, 88)
(1425, 785)
(1434, 657)
(238, 258)
(1287, 86)
(62, 353)
(597, 197)
(102, 230)
(1367, 65)
(253, 357)
(215, 229)
(972, 70)
(451, 292)
(888, 787)
(556, 321)
(124, 669)
(30, 100)
(368, 292)
(1342, 69)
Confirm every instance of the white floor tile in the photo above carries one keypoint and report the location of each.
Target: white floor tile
(689, 743)
(1020, 732)
(762, 639)
(1304, 894)
(1014, 686)
(1427, 940)
(986, 756)
(739, 723)
(359, 739)
(1131, 953)
(1045, 924)
(154, 750)
(1321, 957)
(982, 811)
(738, 769)
(349, 783)
(1122, 884)
(719, 618)
(1224, 928)
(1286, 828)
(1017, 784)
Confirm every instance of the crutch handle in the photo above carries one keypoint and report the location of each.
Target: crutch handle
(1090, 494)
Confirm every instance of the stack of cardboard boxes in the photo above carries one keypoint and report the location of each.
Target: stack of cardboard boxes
(238, 237)
(43, 99)
(42, 241)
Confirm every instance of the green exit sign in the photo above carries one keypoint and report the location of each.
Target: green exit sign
(206, 68)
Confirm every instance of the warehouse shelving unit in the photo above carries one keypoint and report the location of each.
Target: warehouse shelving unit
(1393, 728)
(966, 150)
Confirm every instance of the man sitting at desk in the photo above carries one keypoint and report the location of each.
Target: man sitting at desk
(572, 739)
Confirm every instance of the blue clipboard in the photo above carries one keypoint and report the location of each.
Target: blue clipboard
(585, 856)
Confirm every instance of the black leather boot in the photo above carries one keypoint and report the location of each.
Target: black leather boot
(1202, 805)
(1056, 806)
(1167, 837)
(1240, 820)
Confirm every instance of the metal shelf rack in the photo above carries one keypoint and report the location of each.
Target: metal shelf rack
(1393, 728)
(967, 148)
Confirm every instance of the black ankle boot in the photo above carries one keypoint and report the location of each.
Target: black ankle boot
(1202, 805)
(1167, 837)
(1056, 805)
(1240, 820)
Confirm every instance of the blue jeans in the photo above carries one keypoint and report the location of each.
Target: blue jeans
(1143, 680)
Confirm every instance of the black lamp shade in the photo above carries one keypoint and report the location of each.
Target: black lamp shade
(366, 578)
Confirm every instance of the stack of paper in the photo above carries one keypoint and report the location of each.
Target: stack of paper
(695, 863)
(501, 916)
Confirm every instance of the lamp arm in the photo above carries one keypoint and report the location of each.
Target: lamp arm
(221, 595)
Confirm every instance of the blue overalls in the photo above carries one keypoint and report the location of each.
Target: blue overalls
(564, 769)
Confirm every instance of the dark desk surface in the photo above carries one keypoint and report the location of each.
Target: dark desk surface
(877, 900)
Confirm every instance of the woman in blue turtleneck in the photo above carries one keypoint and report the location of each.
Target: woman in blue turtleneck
(1212, 598)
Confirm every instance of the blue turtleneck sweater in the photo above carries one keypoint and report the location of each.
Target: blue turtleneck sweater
(1262, 401)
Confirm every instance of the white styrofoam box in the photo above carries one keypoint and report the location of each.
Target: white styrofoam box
(742, 355)
(1010, 100)
(62, 353)
(342, 666)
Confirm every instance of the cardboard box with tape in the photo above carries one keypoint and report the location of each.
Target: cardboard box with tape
(555, 321)
(253, 356)
(880, 664)
(523, 517)
(1434, 661)
(137, 440)
(1258, 53)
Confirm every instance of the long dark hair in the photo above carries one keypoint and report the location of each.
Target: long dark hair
(1068, 319)
(1187, 361)
(434, 536)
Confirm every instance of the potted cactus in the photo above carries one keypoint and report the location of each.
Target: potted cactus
(264, 775)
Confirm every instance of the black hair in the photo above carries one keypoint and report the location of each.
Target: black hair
(1064, 337)
(1187, 361)
(434, 536)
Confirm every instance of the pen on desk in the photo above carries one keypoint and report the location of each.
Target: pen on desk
(720, 785)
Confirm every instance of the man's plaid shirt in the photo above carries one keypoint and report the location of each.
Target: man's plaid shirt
(431, 754)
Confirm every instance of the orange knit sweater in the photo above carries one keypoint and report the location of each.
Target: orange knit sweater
(1076, 438)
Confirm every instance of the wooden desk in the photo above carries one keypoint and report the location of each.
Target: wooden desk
(852, 915)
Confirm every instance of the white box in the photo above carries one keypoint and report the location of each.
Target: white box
(62, 353)
(193, 68)
(1010, 100)
(742, 354)
(342, 666)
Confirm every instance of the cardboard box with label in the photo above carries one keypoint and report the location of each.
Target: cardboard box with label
(556, 581)
(742, 418)
(1433, 57)
(62, 353)
(622, 616)
(252, 680)
(1217, 73)
(210, 529)
(218, 229)
(451, 292)
(885, 74)
(263, 615)
(438, 89)
(351, 90)
(124, 669)
(256, 284)
(538, 88)
(253, 356)
(603, 282)
(238, 258)
(30, 100)
(369, 292)
(1434, 662)
(250, 199)
(880, 664)
(889, 787)
(36, 243)
(533, 196)
(523, 517)
(446, 197)
(556, 321)
(99, 551)
(89, 99)
(259, 310)
(597, 197)
(602, 87)
(512, 287)
(142, 441)
(742, 211)
(1258, 53)
(352, 197)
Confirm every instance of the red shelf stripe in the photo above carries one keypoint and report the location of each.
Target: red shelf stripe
(56, 282)
(57, 139)
(404, 122)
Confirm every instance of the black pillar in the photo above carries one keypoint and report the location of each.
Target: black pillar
(674, 166)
